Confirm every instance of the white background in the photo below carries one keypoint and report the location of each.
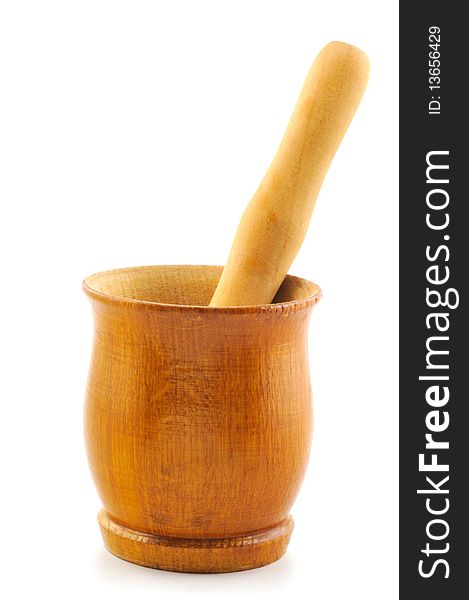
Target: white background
(135, 133)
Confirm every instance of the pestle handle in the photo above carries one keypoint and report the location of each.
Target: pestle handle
(275, 222)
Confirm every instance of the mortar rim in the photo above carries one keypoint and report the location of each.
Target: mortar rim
(280, 307)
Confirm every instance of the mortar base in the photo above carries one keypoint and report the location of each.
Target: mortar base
(221, 555)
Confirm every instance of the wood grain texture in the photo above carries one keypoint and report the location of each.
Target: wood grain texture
(275, 222)
(198, 420)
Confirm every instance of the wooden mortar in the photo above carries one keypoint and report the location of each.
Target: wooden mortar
(197, 419)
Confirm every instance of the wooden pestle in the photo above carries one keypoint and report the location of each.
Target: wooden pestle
(275, 222)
